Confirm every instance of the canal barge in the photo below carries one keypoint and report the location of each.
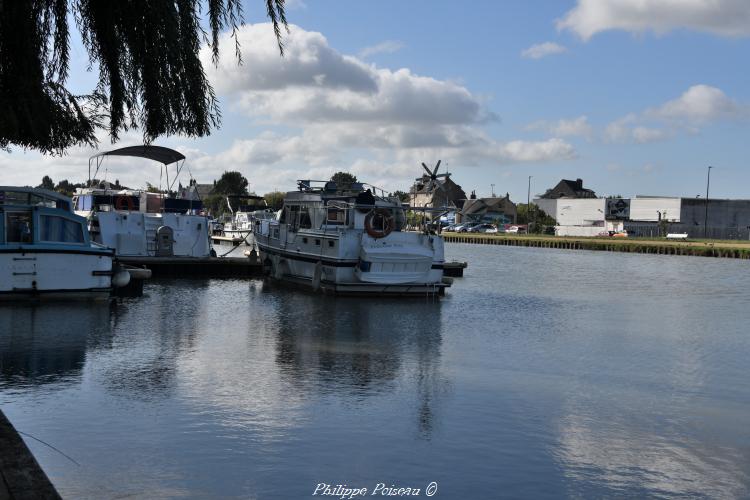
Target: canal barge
(46, 250)
(349, 240)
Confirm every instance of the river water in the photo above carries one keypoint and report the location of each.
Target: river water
(541, 374)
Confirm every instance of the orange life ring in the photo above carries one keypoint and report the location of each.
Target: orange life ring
(124, 203)
(387, 220)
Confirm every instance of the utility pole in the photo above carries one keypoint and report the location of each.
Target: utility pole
(705, 218)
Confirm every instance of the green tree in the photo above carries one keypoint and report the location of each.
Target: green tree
(47, 183)
(232, 183)
(65, 187)
(216, 204)
(147, 55)
(536, 218)
(402, 195)
(344, 180)
(274, 199)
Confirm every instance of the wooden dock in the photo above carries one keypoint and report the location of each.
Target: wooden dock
(204, 267)
(702, 248)
(21, 477)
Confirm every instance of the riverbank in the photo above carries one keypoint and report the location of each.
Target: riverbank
(700, 248)
(20, 474)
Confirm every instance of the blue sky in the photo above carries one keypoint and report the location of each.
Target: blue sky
(633, 96)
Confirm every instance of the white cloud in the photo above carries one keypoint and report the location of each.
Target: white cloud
(719, 17)
(626, 129)
(308, 62)
(539, 50)
(698, 105)
(579, 127)
(386, 47)
(341, 113)
(549, 150)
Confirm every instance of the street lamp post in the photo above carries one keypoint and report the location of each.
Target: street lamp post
(528, 206)
(705, 218)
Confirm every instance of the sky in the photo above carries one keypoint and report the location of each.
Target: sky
(635, 97)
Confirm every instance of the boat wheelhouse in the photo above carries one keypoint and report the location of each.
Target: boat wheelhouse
(46, 250)
(350, 240)
(140, 223)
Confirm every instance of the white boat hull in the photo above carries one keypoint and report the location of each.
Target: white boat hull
(401, 264)
(55, 274)
(135, 233)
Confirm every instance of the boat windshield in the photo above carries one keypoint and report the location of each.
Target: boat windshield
(29, 198)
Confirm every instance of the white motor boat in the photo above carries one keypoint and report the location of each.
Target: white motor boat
(138, 223)
(349, 241)
(46, 250)
(245, 211)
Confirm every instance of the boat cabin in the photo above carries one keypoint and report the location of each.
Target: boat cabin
(30, 216)
(105, 199)
(322, 205)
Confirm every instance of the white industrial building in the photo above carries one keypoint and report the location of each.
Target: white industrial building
(655, 209)
(579, 216)
(596, 216)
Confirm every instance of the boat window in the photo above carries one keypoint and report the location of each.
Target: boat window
(59, 229)
(18, 227)
(304, 219)
(317, 242)
(14, 198)
(41, 201)
(336, 216)
(304, 240)
(331, 243)
(83, 202)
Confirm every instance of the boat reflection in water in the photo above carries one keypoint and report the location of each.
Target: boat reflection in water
(361, 347)
(296, 353)
(47, 343)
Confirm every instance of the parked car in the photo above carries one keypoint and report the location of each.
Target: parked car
(483, 228)
(465, 227)
(516, 229)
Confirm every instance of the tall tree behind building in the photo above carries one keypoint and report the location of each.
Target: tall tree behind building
(231, 183)
(344, 180)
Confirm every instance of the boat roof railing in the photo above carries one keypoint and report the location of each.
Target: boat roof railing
(165, 156)
(331, 187)
(59, 199)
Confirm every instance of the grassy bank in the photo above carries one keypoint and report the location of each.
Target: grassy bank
(703, 248)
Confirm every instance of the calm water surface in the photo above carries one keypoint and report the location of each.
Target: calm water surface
(541, 374)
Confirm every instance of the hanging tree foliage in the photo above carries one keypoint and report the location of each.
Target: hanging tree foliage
(147, 55)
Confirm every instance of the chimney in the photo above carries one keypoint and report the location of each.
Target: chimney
(579, 184)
